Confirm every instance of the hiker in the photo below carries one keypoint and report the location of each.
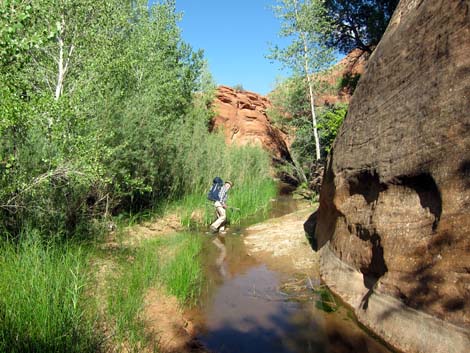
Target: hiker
(220, 207)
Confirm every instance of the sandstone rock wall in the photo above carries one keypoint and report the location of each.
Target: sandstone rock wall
(394, 218)
(349, 69)
(242, 116)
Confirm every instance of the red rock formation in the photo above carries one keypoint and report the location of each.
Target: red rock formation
(350, 68)
(394, 215)
(242, 116)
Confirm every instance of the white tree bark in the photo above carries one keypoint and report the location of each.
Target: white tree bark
(62, 62)
(314, 118)
(310, 90)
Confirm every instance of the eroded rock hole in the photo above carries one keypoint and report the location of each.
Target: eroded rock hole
(367, 184)
(464, 172)
(376, 267)
(427, 191)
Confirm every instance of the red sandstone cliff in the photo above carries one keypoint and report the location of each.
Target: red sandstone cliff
(394, 216)
(348, 70)
(242, 116)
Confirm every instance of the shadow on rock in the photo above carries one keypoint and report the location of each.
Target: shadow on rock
(309, 227)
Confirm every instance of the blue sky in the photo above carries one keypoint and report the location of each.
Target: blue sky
(234, 36)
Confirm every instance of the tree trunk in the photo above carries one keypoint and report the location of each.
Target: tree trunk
(314, 118)
(299, 170)
(310, 90)
(312, 101)
(60, 62)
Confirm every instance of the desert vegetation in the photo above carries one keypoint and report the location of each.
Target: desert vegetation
(316, 31)
(104, 118)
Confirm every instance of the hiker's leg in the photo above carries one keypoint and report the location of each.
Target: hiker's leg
(214, 226)
(221, 218)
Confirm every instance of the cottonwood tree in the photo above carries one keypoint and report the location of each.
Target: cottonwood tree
(358, 23)
(305, 24)
(78, 28)
(48, 52)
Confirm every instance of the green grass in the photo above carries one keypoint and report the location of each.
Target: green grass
(138, 272)
(180, 272)
(325, 300)
(47, 293)
(43, 305)
(244, 200)
(250, 198)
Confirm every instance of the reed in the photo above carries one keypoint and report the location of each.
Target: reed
(43, 303)
(138, 271)
(182, 273)
(172, 261)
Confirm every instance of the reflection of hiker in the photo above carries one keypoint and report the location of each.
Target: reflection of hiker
(220, 243)
(219, 196)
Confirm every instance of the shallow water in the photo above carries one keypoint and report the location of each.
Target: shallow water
(244, 310)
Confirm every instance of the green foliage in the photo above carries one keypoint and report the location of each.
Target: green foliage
(329, 122)
(148, 266)
(43, 305)
(330, 119)
(290, 102)
(182, 273)
(48, 154)
(305, 24)
(291, 110)
(348, 82)
(358, 23)
(238, 87)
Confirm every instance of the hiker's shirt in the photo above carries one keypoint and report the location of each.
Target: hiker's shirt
(223, 194)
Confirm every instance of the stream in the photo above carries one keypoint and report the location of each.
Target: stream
(243, 308)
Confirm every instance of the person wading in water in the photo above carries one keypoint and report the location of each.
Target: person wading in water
(220, 209)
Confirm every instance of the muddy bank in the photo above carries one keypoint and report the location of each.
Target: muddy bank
(281, 243)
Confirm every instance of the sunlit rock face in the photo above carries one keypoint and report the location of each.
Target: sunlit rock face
(242, 116)
(393, 224)
(342, 78)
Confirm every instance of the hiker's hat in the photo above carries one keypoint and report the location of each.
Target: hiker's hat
(229, 182)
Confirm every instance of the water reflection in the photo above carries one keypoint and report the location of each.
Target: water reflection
(249, 315)
(219, 242)
(244, 310)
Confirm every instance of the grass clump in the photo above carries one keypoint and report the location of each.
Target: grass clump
(172, 261)
(138, 272)
(182, 274)
(325, 300)
(43, 304)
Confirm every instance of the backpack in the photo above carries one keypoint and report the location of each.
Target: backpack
(213, 194)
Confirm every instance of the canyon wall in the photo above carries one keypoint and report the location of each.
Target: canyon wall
(393, 223)
(242, 116)
(342, 78)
